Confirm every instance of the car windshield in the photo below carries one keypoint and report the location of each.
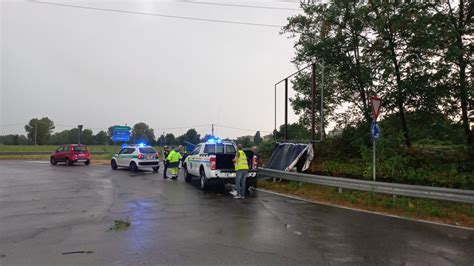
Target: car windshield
(80, 148)
(229, 149)
(147, 150)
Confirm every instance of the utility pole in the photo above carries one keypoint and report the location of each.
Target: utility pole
(213, 130)
(313, 102)
(322, 100)
(36, 130)
(80, 131)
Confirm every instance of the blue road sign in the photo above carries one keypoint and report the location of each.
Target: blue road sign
(375, 129)
(121, 134)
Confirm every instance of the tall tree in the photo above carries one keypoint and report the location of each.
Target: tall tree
(190, 136)
(87, 137)
(161, 140)
(334, 33)
(39, 130)
(245, 141)
(170, 139)
(101, 138)
(402, 53)
(257, 139)
(459, 44)
(143, 133)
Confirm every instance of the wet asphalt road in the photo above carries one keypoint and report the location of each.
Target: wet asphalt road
(46, 210)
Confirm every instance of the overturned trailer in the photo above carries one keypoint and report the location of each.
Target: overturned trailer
(292, 157)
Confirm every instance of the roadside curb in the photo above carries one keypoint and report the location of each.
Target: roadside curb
(360, 210)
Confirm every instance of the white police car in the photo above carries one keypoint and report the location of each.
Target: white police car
(136, 157)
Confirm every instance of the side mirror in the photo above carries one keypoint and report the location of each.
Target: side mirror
(116, 154)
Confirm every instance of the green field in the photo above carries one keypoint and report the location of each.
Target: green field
(109, 151)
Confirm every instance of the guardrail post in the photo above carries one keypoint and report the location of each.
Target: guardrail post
(339, 190)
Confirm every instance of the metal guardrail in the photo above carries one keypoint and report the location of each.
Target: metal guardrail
(448, 194)
(40, 152)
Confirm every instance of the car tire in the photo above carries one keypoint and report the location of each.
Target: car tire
(113, 164)
(204, 180)
(133, 167)
(187, 176)
(156, 169)
(87, 162)
(68, 162)
(53, 161)
(251, 182)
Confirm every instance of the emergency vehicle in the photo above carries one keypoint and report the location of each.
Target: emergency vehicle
(211, 161)
(136, 157)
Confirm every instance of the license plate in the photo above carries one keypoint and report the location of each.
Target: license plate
(232, 175)
(150, 157)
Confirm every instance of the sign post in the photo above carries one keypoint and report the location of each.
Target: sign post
(376, 104)
(80, 132)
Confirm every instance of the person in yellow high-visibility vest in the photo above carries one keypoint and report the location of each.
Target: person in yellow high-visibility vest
(173, 162)
(242, 169)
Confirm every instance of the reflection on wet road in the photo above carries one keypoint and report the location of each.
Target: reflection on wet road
(48, 210)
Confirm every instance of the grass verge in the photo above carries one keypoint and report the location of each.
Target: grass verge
(423, 209)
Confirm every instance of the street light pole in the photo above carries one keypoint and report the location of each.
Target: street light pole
(36, 131)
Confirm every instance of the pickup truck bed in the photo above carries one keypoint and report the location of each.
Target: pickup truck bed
(224, 162)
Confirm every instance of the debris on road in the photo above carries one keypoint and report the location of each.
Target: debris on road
(78, 252)
(120, 225)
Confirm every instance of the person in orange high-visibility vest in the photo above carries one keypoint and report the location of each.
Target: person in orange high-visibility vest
(242, 169)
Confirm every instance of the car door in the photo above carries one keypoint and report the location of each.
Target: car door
(58, 154)
(120, 156)
(192, 160)
(128, 156)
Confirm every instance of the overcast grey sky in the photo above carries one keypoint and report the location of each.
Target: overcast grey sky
(98, 68)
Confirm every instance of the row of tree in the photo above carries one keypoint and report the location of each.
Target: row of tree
(40, 132)
(417, 55)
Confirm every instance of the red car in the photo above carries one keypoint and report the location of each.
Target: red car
(70, 154)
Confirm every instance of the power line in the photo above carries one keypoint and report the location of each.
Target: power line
(187, 127)
(160, 15)
(243, 129)
(244, 6)
(12, 125)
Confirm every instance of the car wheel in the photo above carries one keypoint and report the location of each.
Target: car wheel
(68, 162)
(251, 182)
(204, 180)
(113, 164)
(187, 176)
(53, 161)
(155, 169)
(87, 162)
(133, 167)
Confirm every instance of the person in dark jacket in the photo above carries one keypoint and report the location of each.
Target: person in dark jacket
(166, 152)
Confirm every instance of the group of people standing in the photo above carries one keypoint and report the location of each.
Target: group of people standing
(173, 158)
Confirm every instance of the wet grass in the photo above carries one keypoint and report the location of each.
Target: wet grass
(424, 209)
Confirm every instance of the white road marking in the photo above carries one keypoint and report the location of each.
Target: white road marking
(359, 210)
